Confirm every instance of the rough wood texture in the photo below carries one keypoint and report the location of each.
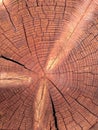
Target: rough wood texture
(48, 64)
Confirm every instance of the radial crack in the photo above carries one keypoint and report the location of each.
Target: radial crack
(29, 11)
(86, 108)
(54, 113)
(16, 62)
(60, 92)
(24, 29)
(63, 120)
(8, 15)
(37, 2)
(93, 126)
(4, 34)
(38, 58)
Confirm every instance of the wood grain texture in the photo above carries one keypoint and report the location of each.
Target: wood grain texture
(48, 64)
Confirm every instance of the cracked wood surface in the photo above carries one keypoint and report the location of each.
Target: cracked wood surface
(48, 64)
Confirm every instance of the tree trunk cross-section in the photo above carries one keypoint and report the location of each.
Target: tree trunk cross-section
(48, 64)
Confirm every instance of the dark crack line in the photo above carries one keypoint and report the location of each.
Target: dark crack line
(84, 57)
(79, 112)
(17, 107)
(86, 108)
(8, 39)
(15, 94)
(93, 126)
(24, 29)
(64, 9)
(22, 119)
(16, 62)
(70, 105)
(14, 103)
(54, 113)
(32, 111)
(84, 117)
(9, 15)
(90, 99)
(83, 107)
(6, 58)
(75, 120)
(38, 58)
(59, 92)
(63, 120)
(37, 2)
(13, 114)
(21, 105)
(29, 11)
(72, 118)
(50, 126)
(44, 12)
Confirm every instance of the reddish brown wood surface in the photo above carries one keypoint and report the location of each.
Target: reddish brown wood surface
(48, 64)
